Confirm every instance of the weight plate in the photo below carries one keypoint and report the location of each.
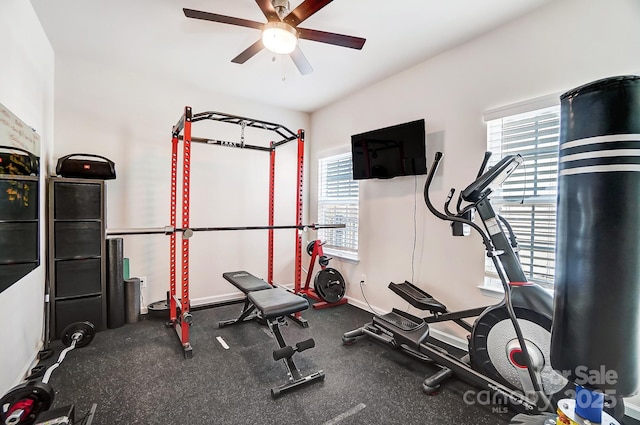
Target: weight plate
(41, 394)
(329, 285)
(86, 330)
(159, 309)
(36, 372)
(45, 354)
(310, 247)
(323, 261)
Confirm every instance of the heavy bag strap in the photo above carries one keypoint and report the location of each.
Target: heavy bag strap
(33, 162)
(61, 160)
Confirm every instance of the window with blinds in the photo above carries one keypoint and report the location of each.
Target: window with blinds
(527, 199)
(338, 199)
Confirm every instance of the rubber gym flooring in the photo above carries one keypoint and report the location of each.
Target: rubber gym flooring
(137, 374)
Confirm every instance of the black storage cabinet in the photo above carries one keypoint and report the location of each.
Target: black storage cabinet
(76, 252)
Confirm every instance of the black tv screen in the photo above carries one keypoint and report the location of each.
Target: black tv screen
(389, 152)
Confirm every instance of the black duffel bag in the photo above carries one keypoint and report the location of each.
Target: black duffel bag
(18, 162)
(86, 168)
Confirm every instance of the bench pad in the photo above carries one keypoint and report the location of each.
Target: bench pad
(245, 281)
(277, 302)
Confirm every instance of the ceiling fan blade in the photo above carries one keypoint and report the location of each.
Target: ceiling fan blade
(305, 10)
(214, 17)
(301, 61)
(331, 38)
(268, 10)
(249, 52)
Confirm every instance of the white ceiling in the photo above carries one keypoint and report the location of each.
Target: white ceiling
(154, 36)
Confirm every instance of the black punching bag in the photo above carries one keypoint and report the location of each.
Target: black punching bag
(596, 321)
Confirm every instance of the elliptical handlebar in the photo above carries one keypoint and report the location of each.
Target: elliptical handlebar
(432, 172)
(450, 216)
(483, 166)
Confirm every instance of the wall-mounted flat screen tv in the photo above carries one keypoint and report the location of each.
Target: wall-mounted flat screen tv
(389, 152)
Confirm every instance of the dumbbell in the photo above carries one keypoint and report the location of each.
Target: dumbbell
(24, 402)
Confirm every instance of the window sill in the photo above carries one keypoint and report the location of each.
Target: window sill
(491, 291)
(342, 256)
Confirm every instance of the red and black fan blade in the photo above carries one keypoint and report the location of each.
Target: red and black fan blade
(268, 10)
(214, 17)
(249, 52)
(331, 38)
(306, 9)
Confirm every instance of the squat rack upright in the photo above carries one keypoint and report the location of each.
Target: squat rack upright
(182, 131)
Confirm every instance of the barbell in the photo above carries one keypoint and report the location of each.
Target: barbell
(23, 403)
(189, 231)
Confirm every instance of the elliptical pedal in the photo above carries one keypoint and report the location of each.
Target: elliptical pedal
(417, 297)
(402, 320)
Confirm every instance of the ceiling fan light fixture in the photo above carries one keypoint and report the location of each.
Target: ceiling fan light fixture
(279, 37)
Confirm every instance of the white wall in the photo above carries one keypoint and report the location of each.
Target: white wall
(127, 117)
(26, 88)
(558, 47)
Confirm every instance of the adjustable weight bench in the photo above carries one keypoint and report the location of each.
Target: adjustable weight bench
(272, 304)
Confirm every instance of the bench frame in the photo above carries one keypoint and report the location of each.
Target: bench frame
(285, 352)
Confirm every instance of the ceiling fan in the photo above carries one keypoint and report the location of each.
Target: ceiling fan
(281, 32)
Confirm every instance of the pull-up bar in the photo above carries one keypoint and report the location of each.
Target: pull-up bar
(286, 134)
(228, 144)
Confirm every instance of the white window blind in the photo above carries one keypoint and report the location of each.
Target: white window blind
(338, 203)
(527, 199)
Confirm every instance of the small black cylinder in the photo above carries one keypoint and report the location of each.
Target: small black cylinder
(596, 322)
(115, 283)
(132, 299)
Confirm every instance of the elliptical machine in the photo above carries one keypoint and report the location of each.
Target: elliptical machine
(509, 343)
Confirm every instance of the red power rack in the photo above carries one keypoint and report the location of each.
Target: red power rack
(179, 306)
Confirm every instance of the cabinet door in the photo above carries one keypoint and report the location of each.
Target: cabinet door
(78, 277)
(77, 201)
(79, 310)
(76, 239)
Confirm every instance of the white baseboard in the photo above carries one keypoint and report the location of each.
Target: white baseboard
(632, 410)
(215, 299)
(360, 305)
(33, 361)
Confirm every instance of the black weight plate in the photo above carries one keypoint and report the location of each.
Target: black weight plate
(329, 285)
(86, 329)
(159, 310)
(42, 395)
(310, 247)
(45, 354)
(36, 372)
